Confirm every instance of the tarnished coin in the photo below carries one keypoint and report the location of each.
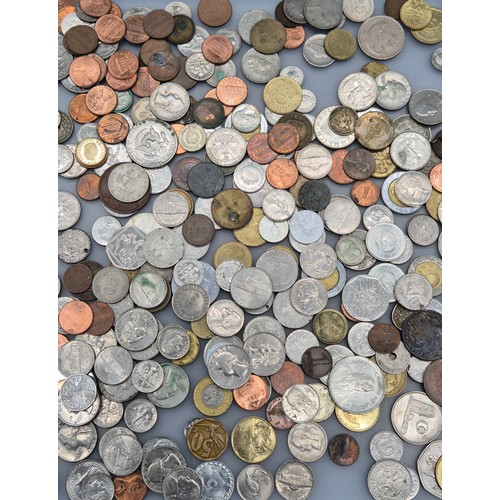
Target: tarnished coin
(253, 439)
(157, 463)
(381, 37)
(421, 334)
(358, 91)
(207, 439)
(423, 230)
(384, 338)
(268, 36)
(182, 482)
(294, 480)
(255, 482)
(330, 326)
(300, 403)
(343, 449)
(433, 381)
(365, 298)
(386, 444)
(428, 471)
(307, 441)
(413, 291)
(340, 44)
(425, 106)
(374, 130)
(389, 475)
(395, 362)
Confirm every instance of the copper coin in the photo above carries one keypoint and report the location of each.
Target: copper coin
(295, 37)
(78, 110)
(282, 173)
(288, 375)
(384, 338)
(433, 380)
(65, 3)
(392, 8)
(280, 16)
(316, 362)
(214, 12)
(80, 40)
(120, 84)
(343, 449)
(283, 138)
(95, 8)
(276, 416)
(198, 230)
(232, 208)
(437, 144)
(158, 23)
(213, 94)
(110, 28)
(181, 170)
(359, 163)
(232, 90)
(253, 394)
(163, 66)
(84, 71)
(145, 83)
(134, 32)
(207, 440)
(152, 46)
(365, 193)
(75, 317)
(217, 49)
(123, 64)
(62, 13)
(88, 294)
(182, 78)
(77, 278)
(101, 100)
(115, 10)
(184, 29)
(61, 340)
(112, 128)
(87, 188)
(436, 177)
(130, 487)
(209, 113)
(337, 173)
(102, 65)
(104, 317)
(302, 124)
(177, 129)
(259, 151)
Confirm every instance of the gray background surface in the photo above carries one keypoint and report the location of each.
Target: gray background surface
(331, 481)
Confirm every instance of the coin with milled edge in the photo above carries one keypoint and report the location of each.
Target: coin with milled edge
(182, 482)
(294, 480)
(300, 403)
(413, 291)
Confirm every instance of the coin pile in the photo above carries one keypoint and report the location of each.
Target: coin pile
(284, 168)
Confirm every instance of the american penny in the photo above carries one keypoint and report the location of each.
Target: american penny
(217, 49)
(184, 29)
(80, 40)
(282, 173)
(343, 449)
(198, 230)
(79, 111)
(177, 129)
(232, 91)
(359, 163)
(145, 83)
(232, 208)
(102, 64)
(87, 187)
(61, 340)
(283, 138)
(254, 394)
(77, 278)
(384, 338)
(258, 149)
(110, 28)
(75, 317)
(158, 23)
(337, 173)
(316, 361)
(123, 64)
(84, 71)
(181, 170)
(101, 100)
(276, 416)
(433, 377)
(214, 12)
(130, 487)
(365, 193)
(103, 319)
(112, 128)
(163, 66)
(120, 84)
(295, 37)
(436, 177)
(150, 47)
(135, 32)
(288, 375)
(302, 124)
(95, 9)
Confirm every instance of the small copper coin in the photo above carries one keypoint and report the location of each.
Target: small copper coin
(343, 449)
(259, 151)
(214, 12)
(177, 129)
(302, 124)
(198, 230)
(253, 394)
(104, 317)
(81, 40)
(359, 163)
(77, 278)
(110, 28)
(145, 83)
(232, 208)
(95, 9)
(150, 47)
(346, 314)
(102, 64)
(316, 362)
(282, 173)
(61, 340)
(115, 10)
(384, 338)
(209, 113)
(79, 111)
(337, 173)
(213, 94)
(276, 416)
(112, 128)
(159, 23)
(288, 375)
(295, 37)
(85, 71)
(283, 138)
(123, 64)
(135, 32)
(280, 16)
(163, 66)
(75, 317)
(87, 188)
(181, 170)
(232, 90)
(436, 177)
(433, 380)
(392, 8)
(101, 100)
(183, 31)
(120, 84)
(437, 144)
(131, 487)
(217, 49)
(365, 193)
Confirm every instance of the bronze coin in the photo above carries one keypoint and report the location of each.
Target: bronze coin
(399, 314)
(359, 164)
(302, 124)
(213, 94)
(392, 8)
(145, 83)
(134, 32)
(95, 8)
(188, 117)
(198, 230)
(259, 151)
(282, 173)
(217, 49)
(283, 138)
(65, 3)
(102, 64)
(343, 449)
(295, 37)
(101, 100)
(276, 416)
(289, 374)
(384, 338)
(268, 36)
(150, 47)
(77, 278)
(252, 395)
(88, 294)
(123, 64)
(163, 66)
(343, 120)
(120, 84)
(232, 90)
(87, 187)
(365, 193)
(337, 173)
(280, 16)
(183, 31)
(209, 113)
(214, 12)
(78, 110)
(81, 40)
(314, 195)
(437, 143)
(182, 78)
(159, 23)
(115, 10)
(84, 71)
(232, 208)
(181, 170)
(110, 28)
(75, 317)
(374, 68)
(112, 128)
(131, 487)
(433, 381)
(316, 361)
(436, 177)
(104, 317)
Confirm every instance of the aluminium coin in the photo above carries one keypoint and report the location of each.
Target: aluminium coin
(389, 475)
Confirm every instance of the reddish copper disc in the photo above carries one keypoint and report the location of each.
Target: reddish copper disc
(102, 65)
(112, 128)
(123, 64)
(276, 416)
(84, 71)
(232, 90)
(104, 317)
(283, 138)
(78, 110)
(65, 3)
(214, 12)
(115, 10)
(337, 173)
(294, 37)
(95, 8)
(117, 84)
(75, 317)
(212, 93)
(135, 32)
(177, 128)
(62, 13)
(253, 394)
(365, 193)
(61, 340)
(145, 83)
(384, 338)
(110, 28)
(217, 49)
(288, 375)
(159, 23)
(87, 188)
(130, 487)
(101, 100)
(259, 151)
(436, 177)
(282, 173)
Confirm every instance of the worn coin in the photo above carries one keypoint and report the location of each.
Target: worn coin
(386, 444)
(413, 291)
(343, 449)
(255, 482)
(76, 443)
(423, 230)
(381, 37)
(300, 403)
(307, 441)
(294, 480)
(276, 417)
(389, 475)
(314, 52)
(358, 91)
(427, 465)
(173, 484)
(433, 381)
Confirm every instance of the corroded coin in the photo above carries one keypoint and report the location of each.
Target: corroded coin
(343, 449)
(207, 439)
(330, 326)
(268, 36)
(374, 130)
(253, 439)
(384, 338)
(433, 381)
(232, 208)
(340, 44)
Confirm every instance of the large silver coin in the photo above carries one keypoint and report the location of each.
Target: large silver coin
(260, 68)
(426, 465)
(248, 20)
(342, 215)
(264, 324)
(413, 189)
(157, 463)
(388, 475)
(308, 296)
(76, 443)
(306, 226)
(358, 91)
(163, 247)
(394, 90)
(388, 275)
(75, 357)
(169, 101)
(423, 230)
(381, 37)
(266, 353)
(286, 314)
(122, 455)
(229, 367)
(358, 10)
(300, 403)
(357, 339)
(104, 228)
(386, 242)
(148, 289)
(225, 318)
(255, 482)
(136, 329)
(365, 298)
(190, 302)
(80, 417)
(314, 52)
(318, 260)
(251, 288)
(322, 14)
(405, 123)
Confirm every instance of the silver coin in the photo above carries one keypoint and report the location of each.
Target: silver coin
(368, 259)
(322, 14)
(286, 314)
(408, 252)
(266, 353)
(76, 170)
(244, 118)
(294, 10)
(122, 455)
(87, 130)
(255, 482)
(434, 261)
(110, 413)
(170, 209)
(225, 318)
(65, 158)
(381, 37)
(410, 151)
(148, 353)
(190, 302)
(357, 338)
(113, 365)
(147, 376)
(177, 8)
(426, 466)
(148, 289)
(188, 271)
(264, 324)
(174, 389)
(307, 441)
(314, 52)
(169, 101)
(110, 434)
(136, 11)
(140, 416)
(225, 272)
(272, 231)
(387, 199)
(98, 485)
(294, 480)
(83, 469)
(386, 242)
(251, 288)
(71, 20)
(318, 260)
(209, 283)
(415, 418)
(125, 248)
(249, 176)
(198, 68)
(128, 182)
(386, 444)
(405, 123)
(226, 147)
(415, 487)
(194, 45)
(271, 117)
(278, 205)
(104, 228)
(300, 403)
(76, 443)
(229, 367)
(358, 10)
(70, 85)
(413, 189)
(416, 369)
(326, 407)
(395, 362)
(80, 417)
(308, 102)
(263, 309)
(73, 246)
(388, 275)
(75, 357)
(157, 463)
(69, 210)
(248, 20)
(259, 68)
(437, 59)
(394, 90)
(141, 111)
(389, 475)
(173, 341)
(350, 250)
(203, 206)
(78, 392)
(306, 226)
(119, 393)
(358, 91)
(182, 482)
(281, 267)
(117, 153)
(259, 195)
(106, 50)
(163, 248)
(298, 342)
(293, 72)
(425, 106)
(342, 215)
(159, 178)
(233, 37)
(221, 71)
(218, 480)
(215, 342)
(110, 285)
(413, 291)
(337, 352)
(423, 230)
(314, 161)
(308, 296)
(158, 442)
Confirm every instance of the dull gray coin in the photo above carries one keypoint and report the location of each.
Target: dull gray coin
(281, 267)
(365, 298)
(286, 314)
(266, 353)
(136, 329)
(413, 291)
(251, 288)
(190, 302)
(423, 230)
(173, 341)
(386, 242)
(125, 248)
(381, 37)
(104, 228)
(357, 338)
(140, 415)
(113, 365)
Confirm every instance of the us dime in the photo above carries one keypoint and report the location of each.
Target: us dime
(140, 415)
(110, 413)
(423, 230)
(182, 482)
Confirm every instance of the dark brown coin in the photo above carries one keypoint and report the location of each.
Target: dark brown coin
(343, 449)
(288, 375)
(87, 188)
(77, 278)
(189, 116)
(131, 487)
(214, 12)
(112, 128)
(110, 28)
(314, 195)
(85, 71)
(183, 31)
(232, 208)
(205, 179)
(384, 338)
(259, 151)
(337, 173)
(181, 170)
(78, 110)
(150, 47)
(365, 193)
(343, 120)
(437, 144)
(198, 230)
(283, 138)
(159, 23)
(392, 8)
(88, 294)
(120, 84)
(433, 381)
(217, 49)
(95, 8)
(104, 317)
(316, 361)
(123, 64)
(276, 416)
(302, 124)
(359, 164)
(182, 78)
(81, 40)
(422, 334)
(208, 112)
(280, 16)
(135, 32)
(163, 66)
(399, 314)
(268, 36)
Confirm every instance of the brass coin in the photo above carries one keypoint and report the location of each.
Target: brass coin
(200, 329)
(249, 234)
(210, 399)
(439, 472)
(357, 423)
(374, 68)
(207, 439)
(340, 44)
(395, 383)
(253, 439)
(332, 280)
(432, 204)
(268, 36)
(192, 354)
(374, 130)
(343, 120)
(330, 326)
(433, 32)
(415, 14)
(91, 152)
(233, 250)
(384, 166)
(393, 196)
(232, 208)
(282, 95)
(432, 271)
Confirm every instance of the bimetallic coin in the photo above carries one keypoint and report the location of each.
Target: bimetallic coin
(389, 475)
(294, 480)
(210, 399)
(255, 482)
(253, 439)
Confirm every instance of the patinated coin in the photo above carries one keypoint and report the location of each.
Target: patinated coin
(198, 230)
(183, 31)
(433, 376)
(359, 164)
(208, 112)
(214, 12)
(314, 195)
(207, 439)
(340, 44)
(232, 208)
(343, 449)
(268, 36)
(316, 361)
(374, 130)
(384, 338)
(421, 334)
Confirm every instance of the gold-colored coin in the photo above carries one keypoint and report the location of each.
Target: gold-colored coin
(248, 135)
(294, 190)
(192, 354)
(285, 249)
(210, 399)
(282, 95)
(233, 250)
(207, 439)
(253, 439)
(249, 234)
(395, 383)
(439, 472)
(393, 197)
(91, 152)
(374, 130)
(326, 404)
(332, 280)
(200, 329)
(340, 44)
(330, 326)
(384, 166)
(268, 36)
(433, 32)
(374, 68)
(188, 198)
(432, 204)
(415, 14)
(232, 208)
(432, 271)
(357, 423)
